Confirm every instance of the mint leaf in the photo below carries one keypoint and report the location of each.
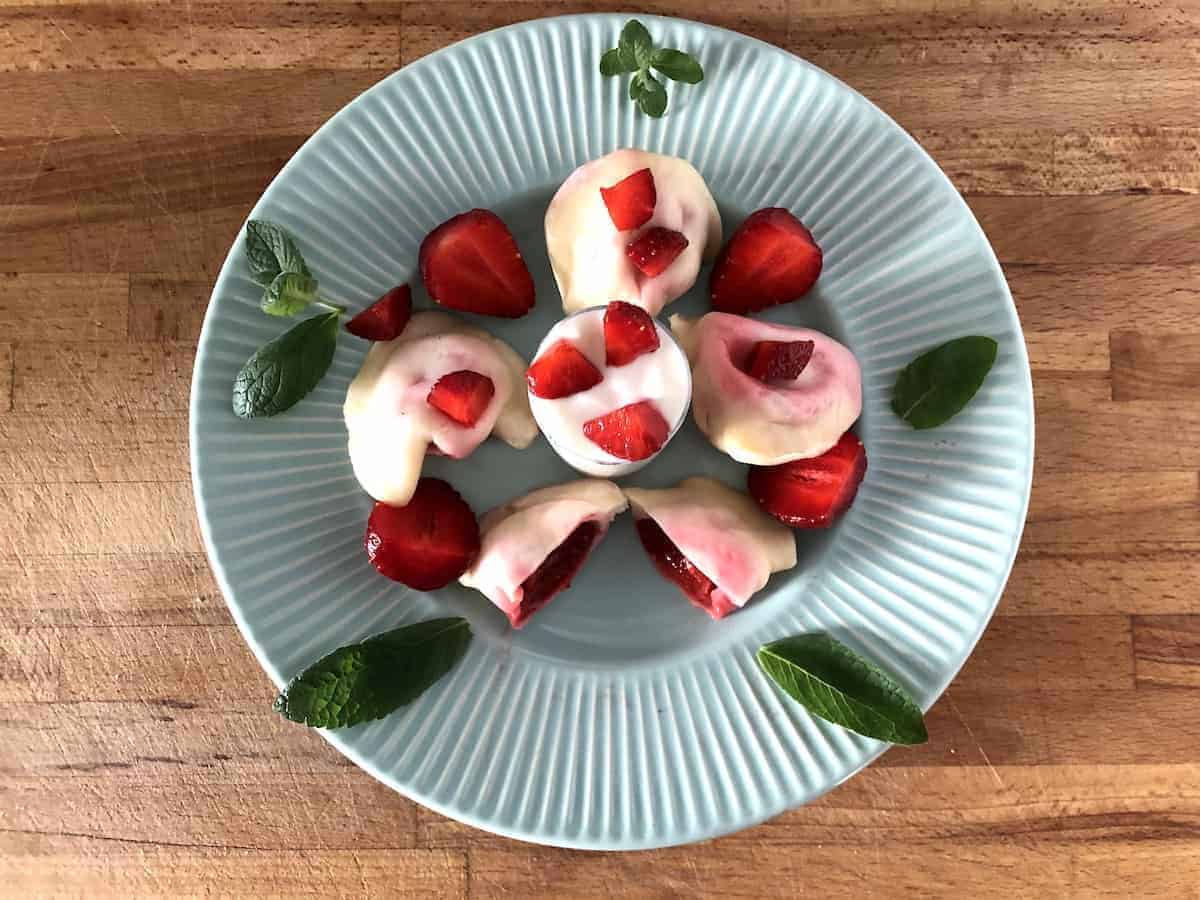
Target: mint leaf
(288, 294)
(270, 250)
(365, 681)
(284, 370)
(635, 87)
(636, 45)
(833, 682)
(937, 385)
(613, 62)
(653, 96)
(678, 66)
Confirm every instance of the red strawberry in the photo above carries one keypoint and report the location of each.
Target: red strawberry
(771, 259)
(628, 333)
(779, 360)
(655, 249)
(384, 319)
(631, 201)
(561, 371)
(681, 571)
(633, 432)
(471, 263)
(427, 543)
(811, 493)
(463, 396)
(556, 571)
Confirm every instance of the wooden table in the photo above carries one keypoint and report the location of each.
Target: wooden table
(138, 751)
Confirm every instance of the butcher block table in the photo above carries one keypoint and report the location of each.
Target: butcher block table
(138, 751)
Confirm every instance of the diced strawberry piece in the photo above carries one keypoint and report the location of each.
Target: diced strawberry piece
(561, 371)
(628, 333)
(556, 571)
(633, 432)
(384, 319)
(631, 200)
(681, 571)
(471, 263)
(811, 493)
(771, 259)
(653, 251)
(779, 360)
(427, 543)
(462, 395)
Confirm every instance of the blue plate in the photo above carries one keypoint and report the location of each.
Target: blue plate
(621, 717)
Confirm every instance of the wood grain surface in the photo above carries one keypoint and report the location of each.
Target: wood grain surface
(138, 751)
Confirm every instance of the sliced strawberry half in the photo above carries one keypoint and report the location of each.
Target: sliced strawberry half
(555, 573)
(462, 395)
(779, 360)
(811, 493)
(561, 371)
(632, 432)
(653, 251)
(628, 333)
(384, 319)
(681, 571)
(427, 543)
(631, 200)
(471, 263)
(771, 259)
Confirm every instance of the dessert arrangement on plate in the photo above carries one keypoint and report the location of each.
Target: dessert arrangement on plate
(618, 409)
(608, 388)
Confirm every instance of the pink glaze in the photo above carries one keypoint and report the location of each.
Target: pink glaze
(767, 424)
(518, 536)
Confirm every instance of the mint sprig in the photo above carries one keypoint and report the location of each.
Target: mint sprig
(284, 370)
(368, 680)
(635, 53)
(833, 682)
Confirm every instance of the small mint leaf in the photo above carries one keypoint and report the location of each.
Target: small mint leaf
(636, 44)
(288, 294)
(653, 97)
(613, 62)
(270, 250)
(678, 66)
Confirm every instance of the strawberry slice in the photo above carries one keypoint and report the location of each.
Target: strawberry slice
(653, 251)
(632, 432)
(427, 543)
(556, 571)
(471, 263)
(811, 493)
(771, 259)
(631, 200)
(560, 372)
(462, 395)
(384, 319)
(628, 333)
(779, 360)
(681, 571)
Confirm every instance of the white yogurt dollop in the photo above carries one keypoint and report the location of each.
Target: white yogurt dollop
(663, 377)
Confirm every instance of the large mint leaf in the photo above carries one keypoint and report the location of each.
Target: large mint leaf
(283, 371)
(833, 682)
(368, 680)
(937, 385)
